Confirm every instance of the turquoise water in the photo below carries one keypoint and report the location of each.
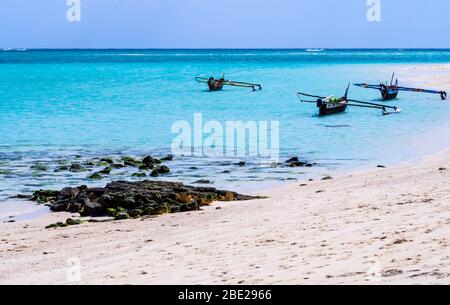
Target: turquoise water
(59, 104)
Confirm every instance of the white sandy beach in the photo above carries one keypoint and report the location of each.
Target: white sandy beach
(387, 226)
(380, 226)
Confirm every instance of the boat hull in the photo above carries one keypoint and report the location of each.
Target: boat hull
(389, 94)
(215, 86)
(327, 109)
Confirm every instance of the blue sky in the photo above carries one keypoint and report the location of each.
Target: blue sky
(227, 24)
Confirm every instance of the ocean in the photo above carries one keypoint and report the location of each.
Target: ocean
(65, 106)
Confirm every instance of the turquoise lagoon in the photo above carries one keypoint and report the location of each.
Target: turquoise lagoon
(73, 105)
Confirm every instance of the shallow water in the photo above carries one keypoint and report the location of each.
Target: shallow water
(58, 105)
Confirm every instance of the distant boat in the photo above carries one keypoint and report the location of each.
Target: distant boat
(315, 50)
(332, 105)
(390, 92)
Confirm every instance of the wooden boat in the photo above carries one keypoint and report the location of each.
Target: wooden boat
(218, 84)
(332, 105)
(390, 92)
(215, 84)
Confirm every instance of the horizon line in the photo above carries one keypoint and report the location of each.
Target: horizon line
(304, 48)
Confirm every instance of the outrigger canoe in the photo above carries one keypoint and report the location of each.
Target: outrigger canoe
(218, 84)
(332, 105)
(390, 92)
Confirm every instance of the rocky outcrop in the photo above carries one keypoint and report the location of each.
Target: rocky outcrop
(296, 162)
(124, 200)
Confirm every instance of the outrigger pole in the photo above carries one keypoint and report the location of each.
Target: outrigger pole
(442, 93)
(373, 104)
(381, 107)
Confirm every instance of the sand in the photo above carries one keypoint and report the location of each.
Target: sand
(383, 226)
(425, 76)
(378, 226)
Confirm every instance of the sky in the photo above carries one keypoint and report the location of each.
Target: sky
(224, 24)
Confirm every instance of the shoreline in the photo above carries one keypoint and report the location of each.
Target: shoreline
(254, 178)
(365, 226)
(326, 232)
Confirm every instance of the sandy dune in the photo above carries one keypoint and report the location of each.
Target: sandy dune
(386, 226)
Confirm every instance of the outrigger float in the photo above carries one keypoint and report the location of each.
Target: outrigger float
(218, 84)
(332, 105)
(390, 92)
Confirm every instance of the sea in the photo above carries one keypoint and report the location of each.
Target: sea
(59, 107)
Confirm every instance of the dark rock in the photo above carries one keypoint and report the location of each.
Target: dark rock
(23, 196)
(145, 167)
(381, 166)
(76, 168)
(69, 222)
(241, 164)
(58, 207)
(105, 171)
(112, 212)
(154, 173)
(128, 161)
(132, 164)
(95, 176)
(73, 222)
(90, 208)
(149, 160)
(327, 178)
(203, 181)
(39, 167)
(135, 213)
(45, 196)
(167, 158)
(296, 164)
(89, 163)
(117, 165)
(107, 160)
(121, 199)
(442, 169)
(139, 175)
(56, 225)
(291, 160)
(226, 172)
(162, 169)
(122, 216)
